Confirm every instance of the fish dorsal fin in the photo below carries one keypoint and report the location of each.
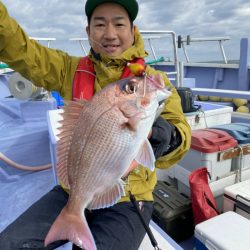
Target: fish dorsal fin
(72, 111)
(108, 197)
(146, 156)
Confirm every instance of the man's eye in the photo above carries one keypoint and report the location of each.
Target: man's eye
(99, 25)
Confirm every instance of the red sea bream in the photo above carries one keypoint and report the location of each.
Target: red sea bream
(98, 141)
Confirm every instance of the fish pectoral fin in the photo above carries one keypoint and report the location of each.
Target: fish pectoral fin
(108, 197)
(146, 156)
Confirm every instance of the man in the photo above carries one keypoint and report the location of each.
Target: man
(114, 41)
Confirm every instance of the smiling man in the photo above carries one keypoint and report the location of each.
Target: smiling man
(115, 42)
(108, 33)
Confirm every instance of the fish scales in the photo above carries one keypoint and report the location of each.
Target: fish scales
(96, 152)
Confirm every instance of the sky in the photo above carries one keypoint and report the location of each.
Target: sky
(63, 19)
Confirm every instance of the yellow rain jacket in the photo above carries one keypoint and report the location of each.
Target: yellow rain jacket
(54, 70)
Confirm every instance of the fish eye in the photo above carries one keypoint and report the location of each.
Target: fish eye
(131, 87)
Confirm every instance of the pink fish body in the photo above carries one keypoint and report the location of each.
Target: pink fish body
(98, 141)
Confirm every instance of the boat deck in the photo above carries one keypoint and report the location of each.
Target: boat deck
(17, 194)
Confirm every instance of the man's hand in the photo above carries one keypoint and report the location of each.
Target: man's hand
(150, 133)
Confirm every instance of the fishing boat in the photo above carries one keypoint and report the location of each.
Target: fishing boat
(28, 120)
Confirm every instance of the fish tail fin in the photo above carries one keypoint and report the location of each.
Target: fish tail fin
(73, 228)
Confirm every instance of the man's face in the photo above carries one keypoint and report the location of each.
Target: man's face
(110, 30)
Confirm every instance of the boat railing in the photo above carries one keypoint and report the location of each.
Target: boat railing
(149, 35)
(81, 42)
(45, 39)
(222, 74)
(182, 42)
(225, 93)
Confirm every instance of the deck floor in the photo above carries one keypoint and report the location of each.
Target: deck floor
(17, 195)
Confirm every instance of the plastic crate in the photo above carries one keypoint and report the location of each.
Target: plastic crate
(209, 115)
(237, 198)
(212, 149)
(172, 212)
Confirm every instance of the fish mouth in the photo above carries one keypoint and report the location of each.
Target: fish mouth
(162, 95)
(159, 109)
(161, 103)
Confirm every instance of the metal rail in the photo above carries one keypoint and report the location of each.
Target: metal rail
(81, 40)
(222, 93)
(48, 40)
(188, 40)
(149, 39)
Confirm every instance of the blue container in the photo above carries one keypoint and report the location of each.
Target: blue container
(241, 132)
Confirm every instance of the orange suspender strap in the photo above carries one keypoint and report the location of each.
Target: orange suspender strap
(84, 79)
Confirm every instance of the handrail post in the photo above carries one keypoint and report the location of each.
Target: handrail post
(185, 52)
(48, 40)
(178, 80)
(174, 39)
(152, 49)
(181, 67)
(81, 40)
(222, 51)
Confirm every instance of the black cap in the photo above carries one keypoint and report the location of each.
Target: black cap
(130, 5)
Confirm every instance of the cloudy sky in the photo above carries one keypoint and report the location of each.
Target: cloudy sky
(63, 19)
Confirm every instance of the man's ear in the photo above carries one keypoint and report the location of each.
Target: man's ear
(88, 30)
(133, 33)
